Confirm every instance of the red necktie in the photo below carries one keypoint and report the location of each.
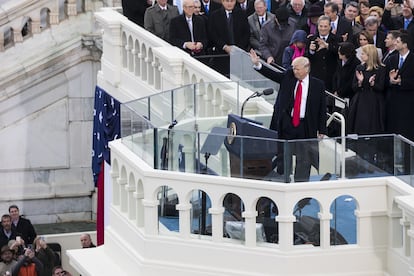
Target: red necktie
(296, 107)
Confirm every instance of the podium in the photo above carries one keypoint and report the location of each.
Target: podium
(250, 148)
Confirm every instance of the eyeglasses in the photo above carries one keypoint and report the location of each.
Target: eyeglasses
(190, 7)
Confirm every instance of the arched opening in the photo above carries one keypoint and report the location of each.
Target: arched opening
(44, 18)
(233, 221)
(200, 217)
(168, 215)
(343, 222)
(266, 216)
(307, 226)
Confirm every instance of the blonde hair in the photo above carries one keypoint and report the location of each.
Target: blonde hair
(373, 61)
(376, 9)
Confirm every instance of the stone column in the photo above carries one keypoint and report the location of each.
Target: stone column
(71, 8)
(35, 26)
(130, 189)
(115, 189)
(151, 217)
(286, 232)
(123, 194)
(406, 236)
(1, 41)
(250, 228)
(54, 18)
(17, 35)
(410, 235)
(217, 223)
(325, 229)
(184, 220)
(139, 208)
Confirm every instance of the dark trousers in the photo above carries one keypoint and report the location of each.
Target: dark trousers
(300, 149)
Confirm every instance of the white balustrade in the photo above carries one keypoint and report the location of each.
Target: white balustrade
(374, 219)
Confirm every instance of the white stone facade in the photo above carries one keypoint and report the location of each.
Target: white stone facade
(46, 109)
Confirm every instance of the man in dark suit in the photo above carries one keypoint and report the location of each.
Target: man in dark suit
(341, 27)
(299, 113)
(371, 26)
(228, 27)
(390, 45)
(6, 232)
(209, 6)
(298, 11)
(246, 5)
(322, 51)
(23, 227)
(134, 10)
(404, 21)
(400, 94)
(188, 31)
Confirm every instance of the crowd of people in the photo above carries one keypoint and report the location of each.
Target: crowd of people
(24, 253)
(359, 50)
(336, 37)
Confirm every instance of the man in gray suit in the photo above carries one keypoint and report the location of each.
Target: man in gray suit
(157, 18)
(257, 20)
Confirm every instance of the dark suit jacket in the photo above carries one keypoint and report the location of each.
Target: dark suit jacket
(315, 115)
(4, 240)
(212, 7)
(324, 61)
(380, 41)
(344, 26)
(134, 10)
(343, 77)
(400, 98)
(219, 34)
(396, 23)
(180, 32)
(249, 9)
(387, 56)
(25, 229)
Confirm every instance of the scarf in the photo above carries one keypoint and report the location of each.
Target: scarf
(312, 27)
(297, 52)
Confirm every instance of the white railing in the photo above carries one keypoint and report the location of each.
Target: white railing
(384, 214)
(21, 19)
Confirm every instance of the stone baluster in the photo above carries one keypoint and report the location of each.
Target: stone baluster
(71, 8)
(151, 216)
(286, 232)
(325, 229)
(250, 228)
(184, 220)
(217, 223)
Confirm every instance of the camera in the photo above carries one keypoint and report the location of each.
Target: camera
(312, 40)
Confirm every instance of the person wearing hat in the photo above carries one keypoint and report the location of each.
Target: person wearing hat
(7, 261)
(314, 12)
(276, 35)
(295, 49)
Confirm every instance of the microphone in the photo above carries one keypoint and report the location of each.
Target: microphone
(267, 91)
